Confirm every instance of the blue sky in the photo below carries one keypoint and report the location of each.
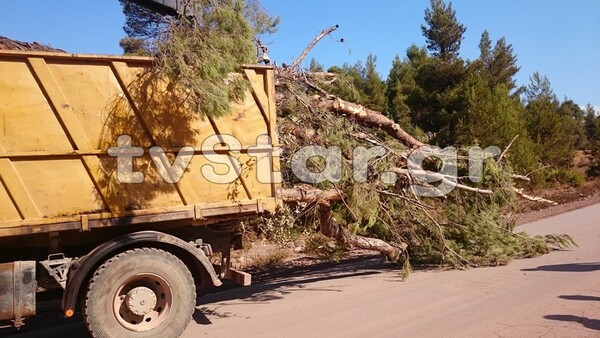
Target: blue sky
(558, 38)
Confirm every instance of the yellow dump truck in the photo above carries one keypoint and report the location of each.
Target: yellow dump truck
(115, 192)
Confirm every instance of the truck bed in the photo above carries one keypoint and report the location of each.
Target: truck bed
(61, 113)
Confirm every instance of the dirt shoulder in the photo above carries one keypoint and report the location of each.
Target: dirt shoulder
(569, 198)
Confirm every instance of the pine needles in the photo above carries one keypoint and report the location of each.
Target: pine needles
(201, 52)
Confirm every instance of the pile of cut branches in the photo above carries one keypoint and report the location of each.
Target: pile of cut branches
(473, 225)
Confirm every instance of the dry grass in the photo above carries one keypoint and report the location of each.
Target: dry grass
(267, 260)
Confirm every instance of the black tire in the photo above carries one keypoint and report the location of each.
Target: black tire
(154, 278)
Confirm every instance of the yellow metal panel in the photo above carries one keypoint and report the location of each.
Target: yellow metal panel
(154, 192)
(7, 209)
(249, 178)
(209, 192)
(245, 123)
(17, 189)
(50, 86)
(98, 103)
(98, 176)
(257, 83)
(161, 113)
(135, 95)
(187, 191)
(59, 187)
(24, 112)
(269, 85)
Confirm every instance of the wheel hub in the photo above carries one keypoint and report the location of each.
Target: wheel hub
(141, 300)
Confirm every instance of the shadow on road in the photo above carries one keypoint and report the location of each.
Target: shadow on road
(580, 297)
(277, 288)
(593, 324)
(271, 288)
(576, 267)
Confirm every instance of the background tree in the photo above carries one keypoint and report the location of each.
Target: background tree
(373, 87)
(440, 76)
(405, 98)
(592, 131)
(503, 65)
(553, 133)
(361, 84)
(485, 53)
(568, 108)
(349, 82)
(143, 28)
(315, 66)
(443, 32)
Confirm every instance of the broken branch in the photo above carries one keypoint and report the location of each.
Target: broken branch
(310, 46)
(521, 193)
(429, 176)
(369, 118)
(308, 194)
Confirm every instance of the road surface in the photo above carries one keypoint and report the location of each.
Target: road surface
(555, 295)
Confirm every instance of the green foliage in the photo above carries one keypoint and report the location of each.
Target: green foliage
(553, 133)
(568, 108)
(546, 177)
(465, 229)
(443, 32)
(423, 91)
(280, 227)
(360, 84)
(143, 24)
(497, 65)
(315, 66)
(594, 170)
(135, 46)
(325, 248)
(458, 102)
(592, 127)
(373, 87)
(490, 116)
(200, 52)
(592, 132)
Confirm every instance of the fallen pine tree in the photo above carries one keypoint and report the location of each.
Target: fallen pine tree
(471, 226)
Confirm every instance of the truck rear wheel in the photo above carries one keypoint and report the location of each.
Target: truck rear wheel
(140, 293)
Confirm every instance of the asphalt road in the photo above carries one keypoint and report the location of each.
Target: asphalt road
(556, 295)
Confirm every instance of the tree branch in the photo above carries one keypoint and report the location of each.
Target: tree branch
(507, 147)
(435, 177)
(521, 193)
(331, 228)
(520, 177)
(369, 118)
(308, 194)
(310, 46)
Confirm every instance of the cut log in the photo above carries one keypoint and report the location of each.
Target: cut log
(331, 228)
(308, 194)
(368, 243)
(368, 118)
